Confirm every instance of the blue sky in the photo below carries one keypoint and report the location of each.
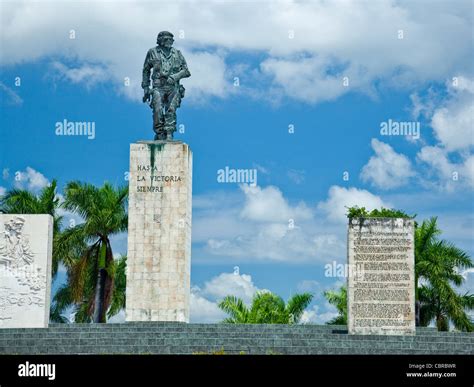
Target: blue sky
(403, 62)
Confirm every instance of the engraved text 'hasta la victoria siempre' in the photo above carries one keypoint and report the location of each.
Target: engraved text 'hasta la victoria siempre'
(153, 179)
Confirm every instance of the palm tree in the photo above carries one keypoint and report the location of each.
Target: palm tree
(120, 284)
(63, 299)
(87, 251)
(445, 308)
(266, 308)
(425, 235)
(339, 300)
(438, 262)
(20, 201)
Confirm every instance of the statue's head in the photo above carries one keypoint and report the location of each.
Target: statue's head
(165, 39)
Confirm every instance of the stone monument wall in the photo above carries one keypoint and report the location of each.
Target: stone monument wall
(381, 289)
(159, 232)
(26, 243)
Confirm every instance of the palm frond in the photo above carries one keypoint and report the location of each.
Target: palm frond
(236, 308)
(339, 300)
(297, 304)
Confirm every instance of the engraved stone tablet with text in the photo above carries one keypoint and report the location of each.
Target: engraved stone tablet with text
(381, 292)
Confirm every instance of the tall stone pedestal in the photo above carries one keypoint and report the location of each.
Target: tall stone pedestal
(159, 232)
(381, 284)
(26, 245)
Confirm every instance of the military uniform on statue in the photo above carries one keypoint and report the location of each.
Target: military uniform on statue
(169, 66)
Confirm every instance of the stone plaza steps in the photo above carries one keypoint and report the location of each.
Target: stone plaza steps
(227, 334)
(179, 338)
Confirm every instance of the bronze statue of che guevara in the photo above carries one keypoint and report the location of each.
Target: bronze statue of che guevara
(165, 94)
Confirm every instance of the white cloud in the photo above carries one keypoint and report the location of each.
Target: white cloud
(331, 40)
(423, 106)
(262, 225)
(30, 179)
(86, 74)
(453, 122)
(204, 311)
(466, 273)
(339, 198)
(453, 126)
(70, 219)
(216, 215)
(277, 242)
(201, 85)
(449, 163)
(310, 286)
(314, 315)
(442, 172)
(387, 169)
(304, 79)
(3, 190)
(11, 96)
(309, 315)
(268, 205)
(239, 285)
(203, 302)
